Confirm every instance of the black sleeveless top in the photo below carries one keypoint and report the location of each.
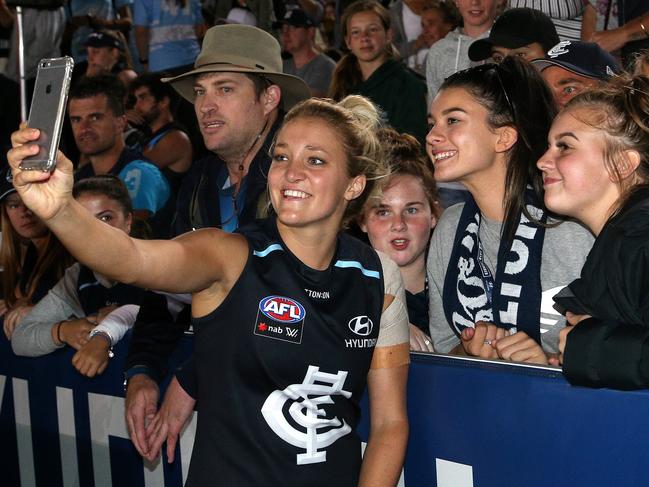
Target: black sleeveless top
(281, 366)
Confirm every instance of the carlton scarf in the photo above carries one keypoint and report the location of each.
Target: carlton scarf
(511, 300)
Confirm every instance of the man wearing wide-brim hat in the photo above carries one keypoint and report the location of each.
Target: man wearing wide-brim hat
(239, 94)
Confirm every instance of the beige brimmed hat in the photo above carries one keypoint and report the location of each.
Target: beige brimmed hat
(241, 49)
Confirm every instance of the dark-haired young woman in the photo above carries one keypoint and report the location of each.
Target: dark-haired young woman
(496, 261)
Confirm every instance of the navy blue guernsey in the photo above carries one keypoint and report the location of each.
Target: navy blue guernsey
(281, 366)
(93, 295)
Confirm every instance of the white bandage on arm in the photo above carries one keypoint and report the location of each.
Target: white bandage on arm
(118, 322)
(392, 346)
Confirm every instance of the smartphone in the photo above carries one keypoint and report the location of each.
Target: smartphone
(48, 110)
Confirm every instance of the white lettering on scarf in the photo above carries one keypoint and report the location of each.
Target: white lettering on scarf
(470, 289)
(526, 230)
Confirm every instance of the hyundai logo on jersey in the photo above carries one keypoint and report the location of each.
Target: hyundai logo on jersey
(280, 318)
(361, 325)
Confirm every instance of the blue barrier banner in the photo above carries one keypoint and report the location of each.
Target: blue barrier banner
(61, 429)
(480, 423)
(472, 423)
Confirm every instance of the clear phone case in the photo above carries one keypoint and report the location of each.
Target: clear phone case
(47, 111)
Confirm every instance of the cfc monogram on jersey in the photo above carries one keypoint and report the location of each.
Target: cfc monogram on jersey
(281, 367)
(296, 416)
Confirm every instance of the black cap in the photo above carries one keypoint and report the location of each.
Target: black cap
(103, 39)
(583, 58)
(295, 17)
(516, 28)
(6, 183)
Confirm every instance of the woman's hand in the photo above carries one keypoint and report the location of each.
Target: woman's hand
(573, 320)
(520, 347)
(14, 317)
(141, 408)
(92, 358)
(175, 411)
(45, 193)
(75, 332)
(610, 40)
(419, 341)
(478, 341)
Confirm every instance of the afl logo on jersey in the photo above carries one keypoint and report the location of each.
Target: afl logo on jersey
(280, 318)
(361, 325)
(279, 308)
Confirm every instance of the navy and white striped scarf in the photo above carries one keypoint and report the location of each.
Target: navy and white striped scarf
(511, 299)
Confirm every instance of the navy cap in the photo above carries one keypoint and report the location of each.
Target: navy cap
(295, 17)
(582, 58)
(516, 28)
(103, 39)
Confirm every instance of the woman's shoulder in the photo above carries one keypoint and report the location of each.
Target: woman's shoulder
(568, 241)
(397, 72)
(449, 219)
(633, 219)
(569, 228)
(391, 274)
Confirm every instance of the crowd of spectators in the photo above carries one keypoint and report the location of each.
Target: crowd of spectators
(172, 116)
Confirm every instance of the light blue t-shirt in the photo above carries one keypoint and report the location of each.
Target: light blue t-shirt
(172, 40)
(147, 186)
(104, 9)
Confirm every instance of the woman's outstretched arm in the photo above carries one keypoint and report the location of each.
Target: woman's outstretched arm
(190, 263)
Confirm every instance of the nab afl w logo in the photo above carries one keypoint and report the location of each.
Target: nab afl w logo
(295, 415)
(280, 318)
(282, 309)
(361, 325)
